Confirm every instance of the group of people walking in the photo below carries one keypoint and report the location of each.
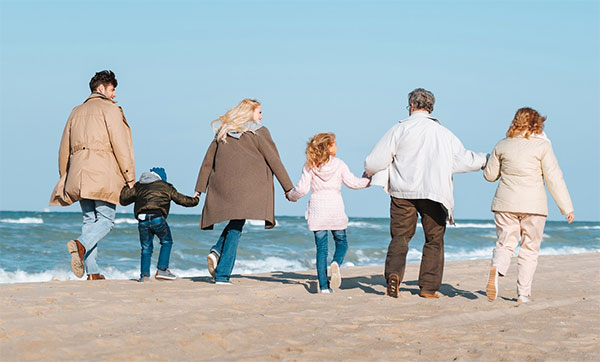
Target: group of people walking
(414, 162)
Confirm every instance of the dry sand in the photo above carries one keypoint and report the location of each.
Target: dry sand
(278, 316)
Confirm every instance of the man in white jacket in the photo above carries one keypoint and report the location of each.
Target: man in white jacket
(414, 162)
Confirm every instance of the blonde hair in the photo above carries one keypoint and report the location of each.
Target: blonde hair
(527, 121)
(236, 119)
(317, 149)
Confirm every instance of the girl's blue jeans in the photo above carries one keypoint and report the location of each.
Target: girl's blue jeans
(226, 249)
(341, 246)
(150, 226)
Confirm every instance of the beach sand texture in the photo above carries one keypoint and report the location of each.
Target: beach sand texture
(277, 316)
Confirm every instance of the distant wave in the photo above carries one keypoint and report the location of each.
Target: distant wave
(364, 224)
(24, 220)
(475, 226)
(125, 221)
(594, 227)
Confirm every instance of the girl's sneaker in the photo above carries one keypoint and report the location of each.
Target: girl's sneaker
(326, 291)
(336, 276)
(523, 299)
(492, 285)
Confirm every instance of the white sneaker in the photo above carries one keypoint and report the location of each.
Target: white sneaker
(523, 299)
(492, 285)
(212, 261)
(223, 283)
(326, 291)
(336, 276)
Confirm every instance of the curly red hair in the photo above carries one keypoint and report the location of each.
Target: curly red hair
(527, 121)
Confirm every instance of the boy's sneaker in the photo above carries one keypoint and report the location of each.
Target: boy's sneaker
(492, 285)
(143, 279)
(212, 260)
(165, 274)
(523, 299)
(223, 283)
(336, 276)
(326, 291)
(393, 285)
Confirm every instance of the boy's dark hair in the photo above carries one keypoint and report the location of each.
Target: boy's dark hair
(103, 77)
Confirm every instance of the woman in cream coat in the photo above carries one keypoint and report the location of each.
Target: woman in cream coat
(523, 162)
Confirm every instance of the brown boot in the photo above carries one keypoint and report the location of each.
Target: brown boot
(96, 277)
(393, 285)
(77, 251)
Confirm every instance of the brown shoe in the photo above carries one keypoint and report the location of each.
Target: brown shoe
(393, 285)
(433, 295)
(77, 251)
(96, 277)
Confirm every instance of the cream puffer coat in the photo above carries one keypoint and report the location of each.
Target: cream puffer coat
(95, 158)
(523, 166)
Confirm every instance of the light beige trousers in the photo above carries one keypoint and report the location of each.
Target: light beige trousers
(510, 227)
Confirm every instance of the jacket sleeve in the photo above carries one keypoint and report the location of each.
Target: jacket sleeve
(64, 151)
(271, 155)
(382, 155)
(465, 160)
(120, 139)
(352, 181)
(491, 172)
(303, 185)
(183, 200)
(128, 195)
(206, 168)
(553, 178)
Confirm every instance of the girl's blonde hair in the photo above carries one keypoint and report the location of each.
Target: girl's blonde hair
(317, 149)
(527, 121)
(236, 119)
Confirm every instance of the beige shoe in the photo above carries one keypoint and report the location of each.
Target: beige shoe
(77, 251)
(336, 276)
(433, 295)
(393, 285)
(492, 285)
(212, 261)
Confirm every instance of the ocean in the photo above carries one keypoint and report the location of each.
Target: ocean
(33, 244)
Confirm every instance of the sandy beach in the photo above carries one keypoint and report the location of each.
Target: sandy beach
(278, 316)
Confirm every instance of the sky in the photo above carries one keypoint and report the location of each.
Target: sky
(316, 66)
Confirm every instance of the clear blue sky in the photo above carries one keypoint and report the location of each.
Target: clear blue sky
(344, 67)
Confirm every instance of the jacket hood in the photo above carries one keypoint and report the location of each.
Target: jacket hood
(149, 177)
(328, 170)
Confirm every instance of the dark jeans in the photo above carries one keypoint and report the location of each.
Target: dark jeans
(150, 226)
(403, 222)
(341, 246)
(226, 248)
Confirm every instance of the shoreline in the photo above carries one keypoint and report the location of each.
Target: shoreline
(275, 316)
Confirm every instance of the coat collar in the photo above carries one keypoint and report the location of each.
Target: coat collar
(419, 114)
(95, 95)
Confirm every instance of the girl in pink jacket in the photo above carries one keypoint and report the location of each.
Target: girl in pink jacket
(325, 174)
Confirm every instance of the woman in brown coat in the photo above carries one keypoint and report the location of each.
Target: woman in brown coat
(237, 177)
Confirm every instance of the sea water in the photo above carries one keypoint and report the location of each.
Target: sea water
(33, 244)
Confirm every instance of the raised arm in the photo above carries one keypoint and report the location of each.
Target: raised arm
(382, 154)
(128, 195)
(352, 181)
(465, 160)
(183, 200)
(271, 155)
(302, 187)
(206, 168)
(555, 182)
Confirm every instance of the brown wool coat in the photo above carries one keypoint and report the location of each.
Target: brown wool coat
(95, 157)
(237, 178)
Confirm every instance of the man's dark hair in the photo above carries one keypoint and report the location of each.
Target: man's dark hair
(103, 77)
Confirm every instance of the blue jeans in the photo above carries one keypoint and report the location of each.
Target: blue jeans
(150, 226)
(226, 249)
(98, 220)
(341, 246)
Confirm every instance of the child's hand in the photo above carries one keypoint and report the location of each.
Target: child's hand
(287, 196)
(197, 194)
(570, 217)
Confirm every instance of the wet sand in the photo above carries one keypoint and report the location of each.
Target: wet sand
(278, 316)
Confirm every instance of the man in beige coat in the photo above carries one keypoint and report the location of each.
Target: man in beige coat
(95, 160)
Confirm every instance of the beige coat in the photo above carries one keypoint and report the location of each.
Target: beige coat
(95, 158)
(523, 166)
(237, 178)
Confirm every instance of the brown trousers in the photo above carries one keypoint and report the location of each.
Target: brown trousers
(403, 223)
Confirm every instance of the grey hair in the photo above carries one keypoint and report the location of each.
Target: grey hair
(421, 99)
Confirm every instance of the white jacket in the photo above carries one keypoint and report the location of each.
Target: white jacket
(416, 158)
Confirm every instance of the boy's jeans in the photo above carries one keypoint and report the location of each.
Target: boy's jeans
(341, 246)
(98, 220)
(150, 226)
(226, 249)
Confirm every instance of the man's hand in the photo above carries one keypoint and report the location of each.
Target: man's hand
(130, 184)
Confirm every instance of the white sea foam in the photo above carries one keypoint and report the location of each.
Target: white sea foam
(475, 226)
(593, 227)
(125, 221)
(24, 220)
(255, 222)
(363, 224)
(269, 264)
